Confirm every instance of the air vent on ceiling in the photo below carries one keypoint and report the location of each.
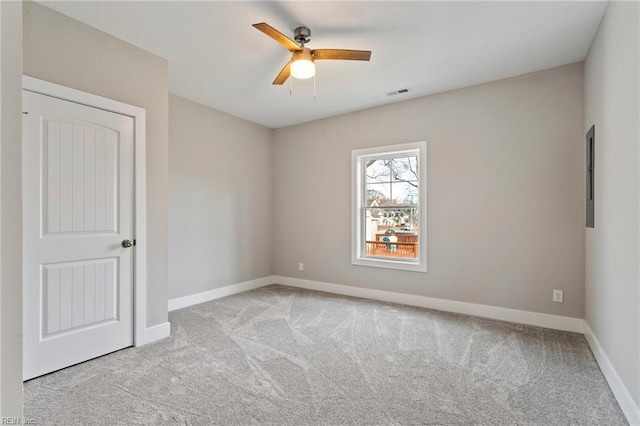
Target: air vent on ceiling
(399, 92)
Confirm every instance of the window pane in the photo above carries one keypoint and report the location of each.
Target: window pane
(405, 169)
(378, 171)
(378, 194)
(404, 193)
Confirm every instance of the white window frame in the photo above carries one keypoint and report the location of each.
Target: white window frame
(358, 157)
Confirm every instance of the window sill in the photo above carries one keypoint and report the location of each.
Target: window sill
(377, 262)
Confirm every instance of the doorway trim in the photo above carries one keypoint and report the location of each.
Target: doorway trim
(138, 114)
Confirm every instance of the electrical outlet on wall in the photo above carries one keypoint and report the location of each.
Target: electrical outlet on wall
(558, 296)
(300, 266)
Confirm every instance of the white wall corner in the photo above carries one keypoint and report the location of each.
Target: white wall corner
(157, 332)
(217, 293)
(555, 322)
(627, 404)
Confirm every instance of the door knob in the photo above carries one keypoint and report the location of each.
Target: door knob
(128, 243)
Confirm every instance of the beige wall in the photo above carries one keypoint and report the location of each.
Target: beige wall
(505, 193)
(11, 209)
(67, 52)
(220, 199)
(612, 96)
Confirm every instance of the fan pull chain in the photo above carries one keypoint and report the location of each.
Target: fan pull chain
(290, 85)
(314, 87)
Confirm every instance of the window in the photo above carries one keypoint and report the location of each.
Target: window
(389, 207)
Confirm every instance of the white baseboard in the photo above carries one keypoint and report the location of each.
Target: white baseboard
(627, 404)
(494, 312)
(157, 332)
(217, 293)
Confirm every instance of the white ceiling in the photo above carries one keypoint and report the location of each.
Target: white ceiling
(216, 58)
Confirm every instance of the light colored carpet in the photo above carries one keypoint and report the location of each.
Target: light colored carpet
(279, 355)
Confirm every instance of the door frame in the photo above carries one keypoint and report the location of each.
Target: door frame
(138, 114)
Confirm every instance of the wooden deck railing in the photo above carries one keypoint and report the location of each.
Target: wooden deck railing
(391, 249)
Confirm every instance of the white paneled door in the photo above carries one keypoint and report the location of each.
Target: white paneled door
(78, 230)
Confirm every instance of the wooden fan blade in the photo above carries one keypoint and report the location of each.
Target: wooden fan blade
(278, 36)
(284, 74)
(349, 55)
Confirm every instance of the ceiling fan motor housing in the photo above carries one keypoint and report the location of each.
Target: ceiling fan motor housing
(302, 35)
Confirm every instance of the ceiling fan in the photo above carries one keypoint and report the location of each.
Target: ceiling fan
(302, 60)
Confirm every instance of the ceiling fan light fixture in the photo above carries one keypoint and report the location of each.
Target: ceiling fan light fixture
(302, 65)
